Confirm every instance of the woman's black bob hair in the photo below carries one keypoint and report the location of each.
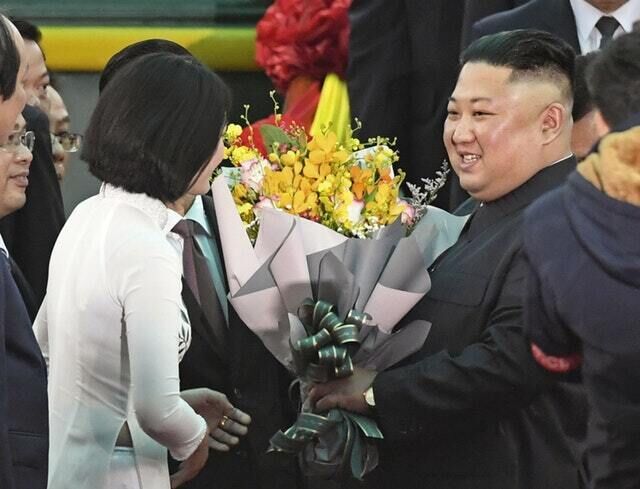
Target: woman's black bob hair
(156, 125)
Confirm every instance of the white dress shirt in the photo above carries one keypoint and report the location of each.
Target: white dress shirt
(587, 16)
(111, 329)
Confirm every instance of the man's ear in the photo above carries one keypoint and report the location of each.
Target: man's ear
(554, 119)
(602, 128)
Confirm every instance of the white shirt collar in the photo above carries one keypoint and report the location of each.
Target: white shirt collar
(196, 213)
(587, 16)
(3, 247)
(154, 208)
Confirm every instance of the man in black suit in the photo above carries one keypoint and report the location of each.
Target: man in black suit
(224, 354)
(469, 409)
(575, 21)
(31, 232)
(23, 385)
(402, 66)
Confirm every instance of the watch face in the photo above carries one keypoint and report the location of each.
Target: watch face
(368, 397)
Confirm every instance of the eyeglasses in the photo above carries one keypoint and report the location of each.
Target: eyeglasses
(16, 140)
(69, 141)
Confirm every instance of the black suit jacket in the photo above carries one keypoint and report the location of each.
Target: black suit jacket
(554, 16)
(403, 62)
(24, 423)
(467, 410)
(254, 381)
(31, 232)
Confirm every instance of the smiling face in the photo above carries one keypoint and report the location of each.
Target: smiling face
(14, 173)
(12, 106)
(495, 131)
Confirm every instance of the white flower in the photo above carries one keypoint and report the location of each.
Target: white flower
(355, 210)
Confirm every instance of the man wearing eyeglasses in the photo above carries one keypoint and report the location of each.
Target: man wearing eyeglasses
(63, 142)
(24, 424)
(31, 232)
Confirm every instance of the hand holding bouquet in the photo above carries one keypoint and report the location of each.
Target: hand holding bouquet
(321, 268)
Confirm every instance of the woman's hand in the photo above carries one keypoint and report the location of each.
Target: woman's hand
(191, 466)
(226, 423)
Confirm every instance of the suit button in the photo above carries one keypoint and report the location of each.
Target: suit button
(237, 393)
(242, 453)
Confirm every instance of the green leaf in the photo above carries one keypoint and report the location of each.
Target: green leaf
(274, 135)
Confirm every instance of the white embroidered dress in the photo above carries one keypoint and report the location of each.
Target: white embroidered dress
(112, 329)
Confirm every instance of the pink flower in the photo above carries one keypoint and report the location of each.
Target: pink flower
(252, 173)
(408, 214)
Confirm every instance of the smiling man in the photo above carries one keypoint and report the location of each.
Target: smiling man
(31, 232)
(23, 384)
(470, 409)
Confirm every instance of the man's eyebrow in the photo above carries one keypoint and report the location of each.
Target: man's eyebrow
(473, 100)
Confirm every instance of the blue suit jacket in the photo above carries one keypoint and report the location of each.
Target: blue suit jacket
(24, 423)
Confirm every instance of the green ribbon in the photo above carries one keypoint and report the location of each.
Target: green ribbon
(325, 354)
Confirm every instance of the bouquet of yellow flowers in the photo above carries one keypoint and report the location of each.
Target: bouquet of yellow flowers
(348, 187)
(323, 259)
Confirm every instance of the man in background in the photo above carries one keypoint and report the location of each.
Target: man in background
(31, 232)
(23, 384)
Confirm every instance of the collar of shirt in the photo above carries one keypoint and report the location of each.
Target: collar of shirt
(489, 213)
(3, 247)
(587, 16)
(196, 213)
(154, 208)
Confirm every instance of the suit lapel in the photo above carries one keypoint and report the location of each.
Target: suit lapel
(210, 212)
(199, 322)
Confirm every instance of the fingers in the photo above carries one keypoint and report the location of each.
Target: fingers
(223, 437)
(216, 445)
(233, 427)
(180, 477)
(327, 402)
(239, 417)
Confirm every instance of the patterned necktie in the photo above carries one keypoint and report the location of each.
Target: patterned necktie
(198, 278)
(607, 26)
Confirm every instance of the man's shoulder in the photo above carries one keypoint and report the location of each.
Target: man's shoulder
(526, 16)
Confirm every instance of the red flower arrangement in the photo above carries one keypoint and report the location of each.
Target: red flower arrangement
(303, 38)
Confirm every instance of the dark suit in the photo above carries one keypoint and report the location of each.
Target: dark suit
(475, 11)
(31, 232)
(554, 16)
(459, 413)
(403, 62)
(24, 423)
(255, 382)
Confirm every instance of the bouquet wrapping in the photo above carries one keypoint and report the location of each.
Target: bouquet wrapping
(321, 269)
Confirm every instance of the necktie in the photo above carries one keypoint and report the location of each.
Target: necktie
(607, 26)
(197, 276)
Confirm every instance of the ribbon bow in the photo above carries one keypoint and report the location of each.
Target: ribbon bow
(325, 354)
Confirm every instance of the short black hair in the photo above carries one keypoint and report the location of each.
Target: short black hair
(529, 53)
(156, 125)
(614, 79)
(134, 51)
(9, 60)
(582, 99)
(28, 31)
